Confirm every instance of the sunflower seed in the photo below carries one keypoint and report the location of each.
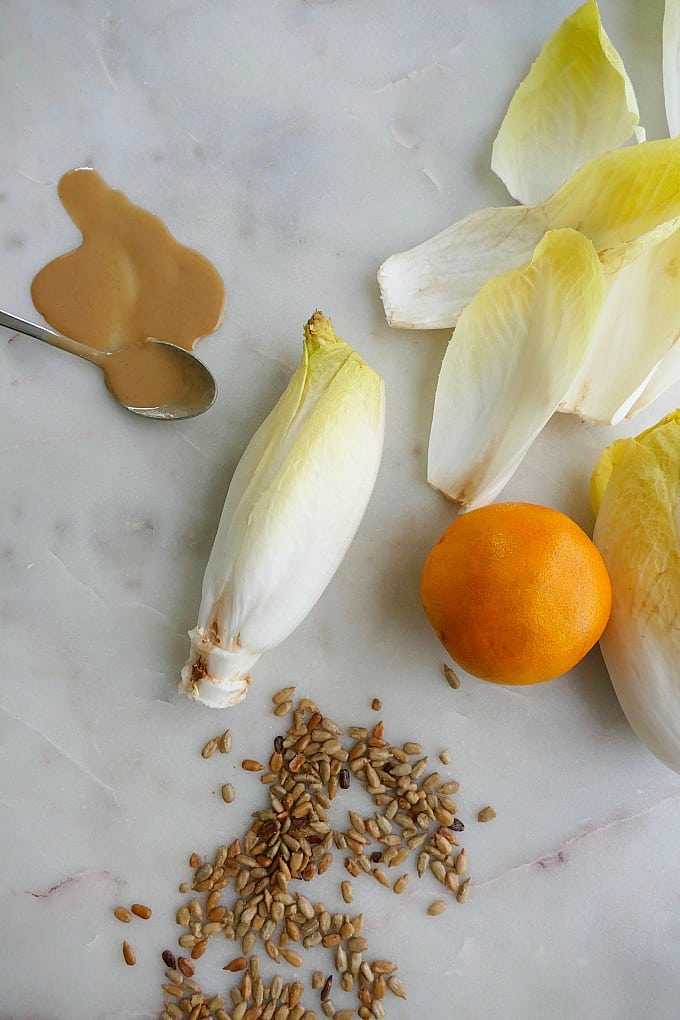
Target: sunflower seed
(340, 959)
(400, 884)
(174, 990)
(272, 950)
(356, 821)
(464, 891)
(452, 881)
(283, 695)
(396, 987)
(291, 957)
(399, 858)
(347, 982)
(141, 910)
(224, 742)
(199, 949)
(185, 966)
(438, 870)
(237, 964)
(451, 678)
(461, 863)
(432, 782)
(246, 986)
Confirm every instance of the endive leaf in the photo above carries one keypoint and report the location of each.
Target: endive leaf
(576, 102)
(634, 354)
(671, 65)
(294, 504)
(623, 201)
(634, 491)
(665, 374)
(514, 354)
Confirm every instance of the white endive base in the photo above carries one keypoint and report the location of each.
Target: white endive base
(214, 676)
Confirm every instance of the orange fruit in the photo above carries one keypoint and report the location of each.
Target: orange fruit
(517, 593)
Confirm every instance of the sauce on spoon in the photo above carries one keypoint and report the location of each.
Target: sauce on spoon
(127, 281)
(151, 375)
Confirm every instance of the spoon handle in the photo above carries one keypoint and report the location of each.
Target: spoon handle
(48, 336)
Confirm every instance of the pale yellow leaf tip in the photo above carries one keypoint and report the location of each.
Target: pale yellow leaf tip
(575, 103)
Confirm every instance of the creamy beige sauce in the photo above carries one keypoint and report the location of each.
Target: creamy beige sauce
(129, 280)
(145, 375)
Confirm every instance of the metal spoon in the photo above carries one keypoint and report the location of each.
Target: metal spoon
(189, 387)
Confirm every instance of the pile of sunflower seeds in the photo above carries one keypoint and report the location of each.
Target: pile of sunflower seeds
(291, 841)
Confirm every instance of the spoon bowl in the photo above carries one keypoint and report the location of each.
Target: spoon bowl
(159, 380)
(150, 378)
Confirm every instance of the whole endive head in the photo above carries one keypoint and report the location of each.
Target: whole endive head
(292, 509)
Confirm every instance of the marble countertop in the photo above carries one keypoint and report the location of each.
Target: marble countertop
(296, 144)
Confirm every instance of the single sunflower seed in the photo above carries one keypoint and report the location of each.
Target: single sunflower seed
(396, 987)
(400, 884)
(239, 963)
(452, 881)
(291, 957)
(224, 742)
(451, 678)
(464, 891)
(283, 695)
(209, 749)
(141, 910)
(185, 966)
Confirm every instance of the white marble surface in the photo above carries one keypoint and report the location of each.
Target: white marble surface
(297, 144)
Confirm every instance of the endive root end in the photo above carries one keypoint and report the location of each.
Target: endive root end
(214, 676)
